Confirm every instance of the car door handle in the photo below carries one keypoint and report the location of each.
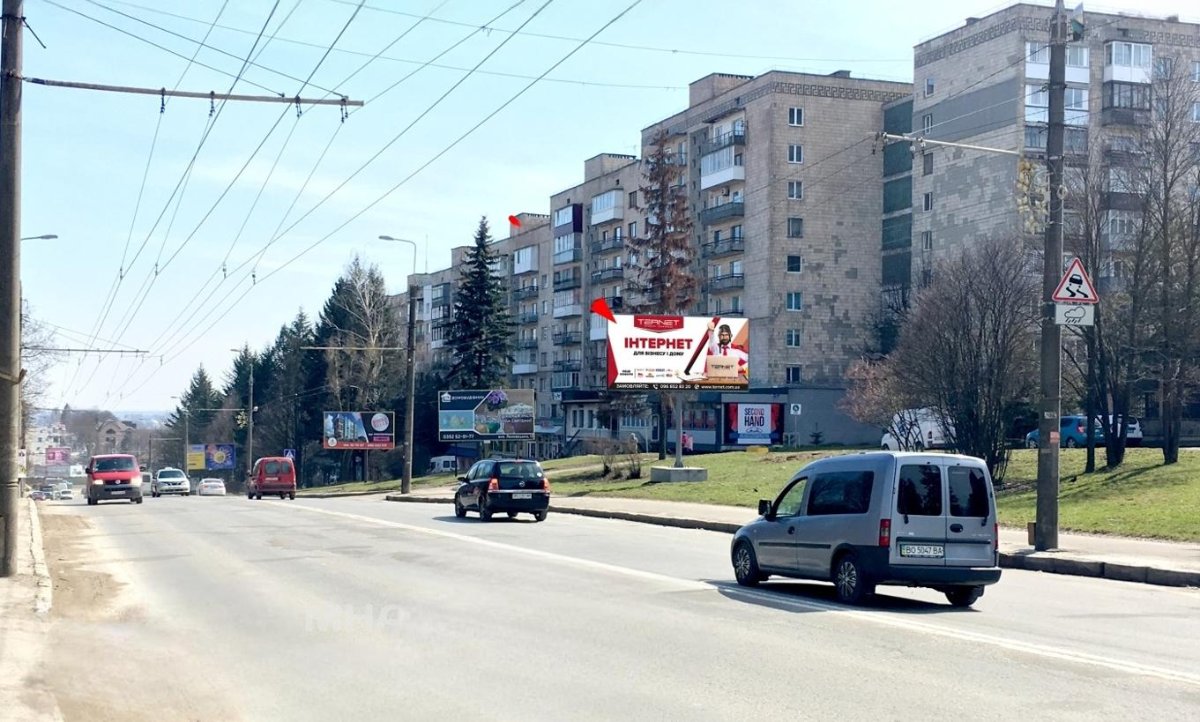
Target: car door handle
(956, 527)
(791, 530)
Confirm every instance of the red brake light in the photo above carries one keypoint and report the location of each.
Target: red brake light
(546, 483)
(493, 484)
(885, 532)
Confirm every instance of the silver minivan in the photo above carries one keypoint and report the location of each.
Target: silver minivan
(885, 517)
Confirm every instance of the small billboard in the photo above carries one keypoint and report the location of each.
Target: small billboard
(359, 430)
(58, 456)
(486, 415)
(679, 352)
(211, 457)
(753, 423)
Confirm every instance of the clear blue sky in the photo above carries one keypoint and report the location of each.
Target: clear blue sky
(85, 152)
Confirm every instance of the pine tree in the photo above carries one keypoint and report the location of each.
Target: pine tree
(193, 415)
(481, 334)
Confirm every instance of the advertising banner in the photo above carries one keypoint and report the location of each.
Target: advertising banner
(679, 352)
(58, 456)
(486, 415)
(753, 423)
(355, 430)
(211, 457)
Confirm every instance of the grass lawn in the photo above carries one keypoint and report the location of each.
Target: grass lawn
(1142, 498)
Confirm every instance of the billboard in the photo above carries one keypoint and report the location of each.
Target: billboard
(679, 352)
(753, 423)
(211, 457)
(356, 430)
(486, 415)
(58, 456)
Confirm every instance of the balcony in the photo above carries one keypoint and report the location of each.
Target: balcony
(443, 322)
(598, 362)
(608, 274)
(443, 300)
(728, 174)
(571, 255)
(598, 331)
(725, 211)
(567, 365)
(527, 343)
(567, 338)
(571, 309)
(733, 138)
(723, 247)
(731, 312)
(568, 283)
(608, 244)
(528, 317)
(522, 369)
(728, 282)
(524, 292)
(1124, 116)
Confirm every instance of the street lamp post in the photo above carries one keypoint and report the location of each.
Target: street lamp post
(410, 364)
(187, 417)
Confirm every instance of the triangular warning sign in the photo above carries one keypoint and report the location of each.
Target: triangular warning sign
(1075, 286)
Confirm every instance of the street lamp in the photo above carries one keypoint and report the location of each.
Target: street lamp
(410, 363)
(47, 237)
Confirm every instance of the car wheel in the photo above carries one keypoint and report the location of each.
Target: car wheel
(540, 515)
(964, 596)
(1072, 443)
(512, 515)
(745, 565)
(137, 500)
(460, 511)
(485, 514)
(258, 496)
(291, 495)
(851, 584)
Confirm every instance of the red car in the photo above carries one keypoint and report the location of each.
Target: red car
(272, 475)
(113, 476)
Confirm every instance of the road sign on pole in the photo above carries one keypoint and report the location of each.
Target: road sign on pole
(1074, 314)
(290, 453)
(1075, 286)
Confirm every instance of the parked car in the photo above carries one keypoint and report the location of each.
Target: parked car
(37, 495)
(170, 480)
(509, 486)
(443, 465)
(272, 475)
(1133, 431)
(113, 476)
(211, 487)
(916, 430)
(66, 494)
(862, 520)
(1071, 433)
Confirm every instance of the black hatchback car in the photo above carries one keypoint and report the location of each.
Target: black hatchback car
(509, 486)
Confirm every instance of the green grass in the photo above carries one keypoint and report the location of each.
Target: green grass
(1142, 498)
(376, 486)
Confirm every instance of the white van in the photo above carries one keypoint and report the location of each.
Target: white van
(861, 520)
(443, 465)
(916, 430)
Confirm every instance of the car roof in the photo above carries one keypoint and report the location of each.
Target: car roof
(113, 456)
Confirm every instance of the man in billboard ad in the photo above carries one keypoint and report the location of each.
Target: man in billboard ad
(486, 415)
(679, 352)
(753, 423)
(358, 430)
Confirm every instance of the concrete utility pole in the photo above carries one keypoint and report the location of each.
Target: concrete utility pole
(1046, 528)
(411, 366)
(250, 426)
(11, 373)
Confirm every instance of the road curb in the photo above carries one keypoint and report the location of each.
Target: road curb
(336, 494)
(44, 598)
(1052, 563)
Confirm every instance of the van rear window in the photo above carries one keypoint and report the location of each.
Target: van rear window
(920, 491)
(275, 468)
(968, 492)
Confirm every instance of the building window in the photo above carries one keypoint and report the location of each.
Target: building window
(928, 87)
(795, 190)
(929, 201)
(795, 154)
(927, 122)
(563, 216)
(793, 374)
(633, 230)
(795, 228)
(633, 199)
(1037, 53)
(1135, 96)
(793, 338)
(927, 164)
(1077, 56)
(1163, 67)
(1128, 55)
(926, 240)
(795, 264)
(1196, 112)
(795, 301)
(796, 116)
(926, 277)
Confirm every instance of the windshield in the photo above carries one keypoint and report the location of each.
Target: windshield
(120, 463)
(170, 474)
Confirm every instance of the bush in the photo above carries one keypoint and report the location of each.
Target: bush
(606, 449)
(633, 459)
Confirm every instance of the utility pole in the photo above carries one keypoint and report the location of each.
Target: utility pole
(250, 426)
(11, 374)
(1046, 528)
(410, 363)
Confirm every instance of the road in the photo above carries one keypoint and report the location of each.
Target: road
(356, 608)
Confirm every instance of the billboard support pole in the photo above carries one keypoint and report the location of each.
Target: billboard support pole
(679, 398)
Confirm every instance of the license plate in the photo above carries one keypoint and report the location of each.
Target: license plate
(118, 491)
(522, 496)
(927, 551)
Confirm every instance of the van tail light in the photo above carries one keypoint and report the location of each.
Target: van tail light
(1079, 429)
(493, 484)
(546, 483)
(885, 532)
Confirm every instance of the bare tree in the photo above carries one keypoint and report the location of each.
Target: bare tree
(875, 396)
(37, 358)
(366, 370)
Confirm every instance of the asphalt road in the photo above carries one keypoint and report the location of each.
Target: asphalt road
(353, 608)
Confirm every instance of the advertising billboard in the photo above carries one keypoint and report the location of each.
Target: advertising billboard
(485, 415)
(356, 430)
(753, 423)
(58, 456)
(679, 352)
(211, 457)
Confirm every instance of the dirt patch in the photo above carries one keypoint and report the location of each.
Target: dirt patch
(79, 593)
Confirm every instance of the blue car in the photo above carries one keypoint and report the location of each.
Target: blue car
(1071, 433)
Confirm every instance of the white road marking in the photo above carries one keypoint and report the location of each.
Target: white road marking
(879, 618)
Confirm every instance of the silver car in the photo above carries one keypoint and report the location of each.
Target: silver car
(861, 520)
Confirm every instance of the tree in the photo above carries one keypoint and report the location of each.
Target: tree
(191, 418)
(281, 419)
(662, 275)
(969, 346)
(37, 359)
(481, 333)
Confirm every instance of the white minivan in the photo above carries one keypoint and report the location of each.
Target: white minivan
(876, 518)
(916, 430)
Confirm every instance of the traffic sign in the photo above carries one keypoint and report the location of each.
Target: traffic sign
(1074, 314)
(290, 453)
(795, 409)
(1075, 286)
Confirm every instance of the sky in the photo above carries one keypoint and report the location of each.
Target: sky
(192, 230)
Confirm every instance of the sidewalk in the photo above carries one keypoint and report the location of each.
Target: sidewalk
(24, 620)
(1120, 558)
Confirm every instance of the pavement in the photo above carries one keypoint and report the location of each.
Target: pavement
(1090, 555)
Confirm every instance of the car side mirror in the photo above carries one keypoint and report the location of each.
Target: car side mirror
(764, 507)
(141, 468)
(462, 478)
